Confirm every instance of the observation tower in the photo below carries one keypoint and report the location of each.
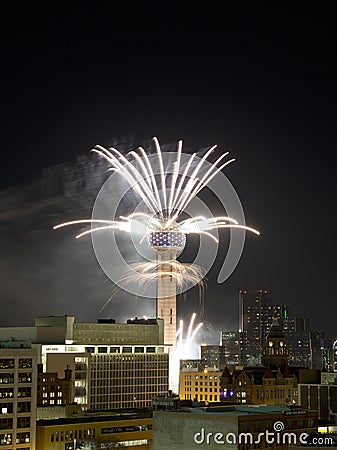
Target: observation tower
(168, 243)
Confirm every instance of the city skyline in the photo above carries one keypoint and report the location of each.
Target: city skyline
(269, 102)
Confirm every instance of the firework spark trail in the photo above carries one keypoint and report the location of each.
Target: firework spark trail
(184, 344)
(145, 272)
(164, 205)
(141, 184)
(184, 187)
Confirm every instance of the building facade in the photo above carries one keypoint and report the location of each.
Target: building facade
(272, 383)
(123, 429)
(233, 427)
(319, 397)
(256, 312)
(200, 385)
(235, 348)
(334, 356)
(212, 356)
(306, 348)
(18, 375)
(113, 365)
(52, 390)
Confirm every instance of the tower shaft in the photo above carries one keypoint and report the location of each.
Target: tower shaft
(167, 295)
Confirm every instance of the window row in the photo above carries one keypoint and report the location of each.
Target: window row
(7, 423)
(8, 378)
(211, 398)
(71, 435)
(9, 363)
(21, 438)
(9, 392)
(52, 402)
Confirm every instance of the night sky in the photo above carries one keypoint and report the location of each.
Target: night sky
(263, 89)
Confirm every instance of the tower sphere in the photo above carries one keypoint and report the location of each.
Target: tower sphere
(162, 239)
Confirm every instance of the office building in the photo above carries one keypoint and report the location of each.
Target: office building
(255, 318)
(104, 430)
(235, 348)
(201, 385)
(212, 356)
(306, 348)
(18, 375)
(297, 332)
(113, 365)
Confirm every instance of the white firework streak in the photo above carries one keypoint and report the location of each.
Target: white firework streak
(184, 343)
(165, 205)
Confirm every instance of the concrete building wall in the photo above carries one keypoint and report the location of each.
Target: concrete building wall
(54, 329)
(182, 430)
(116, 333)
(167, 296)
(321, 398)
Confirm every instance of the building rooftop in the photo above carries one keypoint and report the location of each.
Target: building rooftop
(240, 410)
(99, 416)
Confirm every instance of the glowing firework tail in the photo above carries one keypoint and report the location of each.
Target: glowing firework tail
(165, 203)
(186, 348)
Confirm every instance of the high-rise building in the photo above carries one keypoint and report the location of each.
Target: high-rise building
(235, 348)
(113, 365)
(317, 350)
(334, 356)
(297, 332)
(18, 376)
(255, 318)
(212, 356)
(256, 315)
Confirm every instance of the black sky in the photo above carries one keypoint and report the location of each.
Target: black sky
(263, 88)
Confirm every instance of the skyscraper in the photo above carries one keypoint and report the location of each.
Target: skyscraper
(235, 348)
(256, 310)
(255, 318)
(297, 331)
(334, 356)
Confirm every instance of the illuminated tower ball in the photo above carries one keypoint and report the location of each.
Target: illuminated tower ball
(168, 244)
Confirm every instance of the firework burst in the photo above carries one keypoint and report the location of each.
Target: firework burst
(166, 196)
